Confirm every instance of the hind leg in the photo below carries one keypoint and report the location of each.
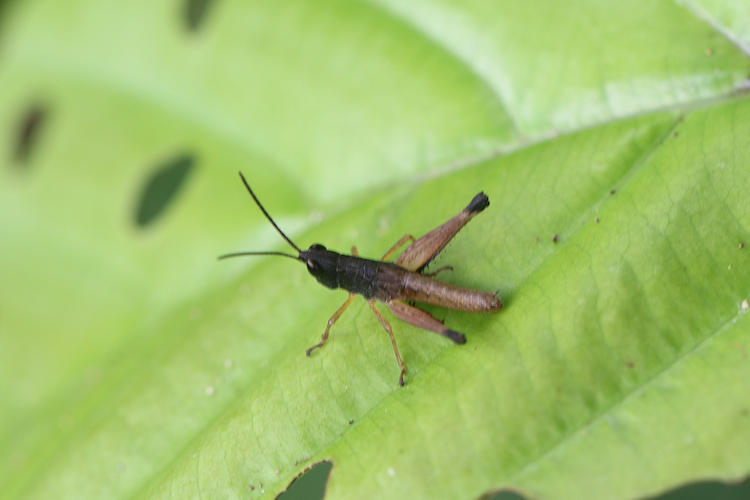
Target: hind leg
(425, 321)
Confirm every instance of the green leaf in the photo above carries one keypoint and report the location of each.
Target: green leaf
(612, 140)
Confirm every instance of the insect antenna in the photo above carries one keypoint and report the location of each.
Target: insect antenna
(240, 254)
(257, 201)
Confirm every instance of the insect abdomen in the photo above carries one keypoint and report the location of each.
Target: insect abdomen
(424, 289)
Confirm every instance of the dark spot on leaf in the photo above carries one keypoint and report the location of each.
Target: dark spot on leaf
(504, 494)
(6, 7)
(161, 188)
(195, 13)
(612, 191)
(715, 490)
(310, 484)
(27, 132)
(555, 238)
(630, 364)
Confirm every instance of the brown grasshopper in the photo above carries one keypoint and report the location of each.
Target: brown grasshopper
(396, 284)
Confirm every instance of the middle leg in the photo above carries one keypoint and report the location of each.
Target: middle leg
(435, 273)
(388, 329)
(399, 244)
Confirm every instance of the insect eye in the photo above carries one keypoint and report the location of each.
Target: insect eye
(317, 246)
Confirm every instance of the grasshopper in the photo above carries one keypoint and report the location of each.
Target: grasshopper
(397, 284)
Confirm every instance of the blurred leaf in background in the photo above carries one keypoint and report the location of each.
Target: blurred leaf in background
(613, 140)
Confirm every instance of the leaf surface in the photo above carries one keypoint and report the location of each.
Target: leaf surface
(613, 144)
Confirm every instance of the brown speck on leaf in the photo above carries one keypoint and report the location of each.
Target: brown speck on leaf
(251, 487)
(630, 364)
(537, 239)
(596, 220)
(611, 191)
(741, 245)
(675, 134)
(741, 349)
(709, 51)
(555, 238)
